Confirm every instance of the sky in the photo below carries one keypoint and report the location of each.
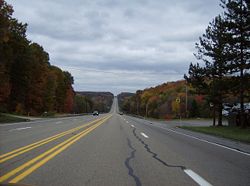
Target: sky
(118, 45)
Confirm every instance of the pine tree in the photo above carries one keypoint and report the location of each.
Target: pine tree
(212, 50)
(237, 17)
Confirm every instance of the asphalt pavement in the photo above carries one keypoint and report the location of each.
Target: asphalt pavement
(113, 149)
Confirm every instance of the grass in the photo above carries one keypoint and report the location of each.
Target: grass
(10, 119)
(234, 133)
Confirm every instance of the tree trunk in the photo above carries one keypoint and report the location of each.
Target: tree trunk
(137, 106)
(146, 110)
(242, 121)
(214, 119)
(220, 114)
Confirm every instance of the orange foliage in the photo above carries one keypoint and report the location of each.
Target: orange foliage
(199, 98)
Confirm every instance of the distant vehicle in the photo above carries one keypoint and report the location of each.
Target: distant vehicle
(121, 113)
(229, 108)
(225, 112)
(95, 113)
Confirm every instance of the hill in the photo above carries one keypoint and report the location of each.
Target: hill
(124, 97)
(169, 100)
(101, 101)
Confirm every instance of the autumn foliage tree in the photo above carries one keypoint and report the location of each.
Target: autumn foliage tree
(160, 101)
(28, 83)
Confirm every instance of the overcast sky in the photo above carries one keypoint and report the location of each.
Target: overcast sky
(118, 45)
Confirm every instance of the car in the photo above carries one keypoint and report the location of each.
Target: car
(95, 113)
(225, 112)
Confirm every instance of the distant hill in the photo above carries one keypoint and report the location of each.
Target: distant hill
(101, 101)
(94, 94)
(122, 97)
(167, 100)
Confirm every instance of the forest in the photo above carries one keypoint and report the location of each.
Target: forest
(29, 84)
(167, 101)
(87, 102)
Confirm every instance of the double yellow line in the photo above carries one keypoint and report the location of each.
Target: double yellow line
(47, 155)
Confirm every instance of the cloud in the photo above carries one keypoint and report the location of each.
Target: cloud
(118, 45)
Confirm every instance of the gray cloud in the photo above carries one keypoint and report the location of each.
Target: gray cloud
(118, 45)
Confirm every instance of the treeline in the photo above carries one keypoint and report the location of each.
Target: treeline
(166, 101)
(224, 52)
(123, 98)
(87, 102)
(28, 83)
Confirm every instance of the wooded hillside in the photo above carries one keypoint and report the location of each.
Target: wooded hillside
(100, 101)
(166, 101)
(29, 84)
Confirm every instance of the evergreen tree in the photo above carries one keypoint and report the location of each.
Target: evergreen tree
(237, 16)
(212, 50)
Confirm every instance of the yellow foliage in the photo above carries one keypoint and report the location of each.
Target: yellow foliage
(175, 107)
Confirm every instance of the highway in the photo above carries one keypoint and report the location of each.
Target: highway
(112, 149)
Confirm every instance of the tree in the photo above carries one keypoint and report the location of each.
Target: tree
(80, 104)
(237, 17)
(13, 45)
(213, 51)
(38, 62)
(50, 93)
(145, 101)
(194, 111)
(5, 14)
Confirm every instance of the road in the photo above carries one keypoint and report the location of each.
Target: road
(114, 149)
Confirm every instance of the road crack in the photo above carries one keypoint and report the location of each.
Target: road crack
(127, 164)
(154, 155)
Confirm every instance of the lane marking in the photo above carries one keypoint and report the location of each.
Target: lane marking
(206, 141)
(38, 121)
(133, 126)
(203, 140)
(58, 122)
(17, 129)
(34, 160)
(127, 122)
(144, 135)
(54, 150)
(198, 179)
(19, 151)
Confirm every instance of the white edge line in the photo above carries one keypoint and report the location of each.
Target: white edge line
(144, 135)
(198, 179)
(206, 141)
(23, 128)
(40, 120)
(203, 140)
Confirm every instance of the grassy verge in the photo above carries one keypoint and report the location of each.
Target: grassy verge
(234, 133)
(10, 119)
